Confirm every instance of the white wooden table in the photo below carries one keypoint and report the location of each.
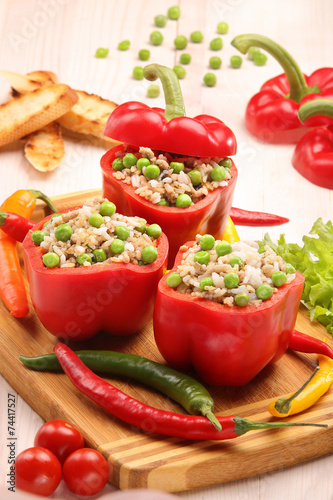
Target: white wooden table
(63, 35)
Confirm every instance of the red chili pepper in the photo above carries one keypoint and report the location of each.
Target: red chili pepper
(227, 345)
(272, 113)
(15, 225)
(242, 217)
(148, 418)
(313, 155)
(301, 342)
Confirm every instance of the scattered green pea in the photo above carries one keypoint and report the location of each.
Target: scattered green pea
(124, 45)
(51, 259)
(195, 177)
(163, 202)
(207, 242)
(122, 232)
(216, 44)
(149, 254)
(196, 37)
(236, 61)
(180, 42)
(242, 299)
(138, 73)
(63, 232)
(183, 201)
(117, 246)
(156, 38)
(222, 28)
(142, 162)
(38, 236)
(117, 164)
(129, 160)
(264, 291)
(177, 166)
(96, 219)
(252, 51)
(160, 20)
(173, 280)
(231, 280)
(142, 226)
(225, 162)
(107, 208)
(174, 13)
(218, 174)
(223, 248)
(236, 261)
(180, 71)
(99, 255)
(152, 171)
(259, 59)
(279, 278)
(101, 53)
(202, 257)
(185, 58)
(144, 54)
(290, 269)
(81, 259)
(153, 90)
(154, 231)
(206, 282)
(215, 62)
(210, 79)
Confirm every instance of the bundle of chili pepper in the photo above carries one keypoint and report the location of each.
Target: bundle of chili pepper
(152, 419)
(272, 113)
(12, 289)
(313, 155)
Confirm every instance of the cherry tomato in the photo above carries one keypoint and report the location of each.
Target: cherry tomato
(38, 471)
(60, 437)
(85, 471)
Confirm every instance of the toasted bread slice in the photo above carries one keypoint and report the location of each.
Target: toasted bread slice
(29, 112)
(45, 148)
(21, 84)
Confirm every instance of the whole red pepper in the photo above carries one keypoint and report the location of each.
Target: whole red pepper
(227, 345)
(313, 155)
(272, 113)
(15, 226)
(77, 303)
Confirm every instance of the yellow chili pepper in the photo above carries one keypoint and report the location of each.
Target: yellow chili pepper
(318, 383)
(230, 234)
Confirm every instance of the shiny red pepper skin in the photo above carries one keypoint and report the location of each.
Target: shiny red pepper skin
(243, 217)
(225, 345)
(15, 225)
(209, 215)
(77, 303)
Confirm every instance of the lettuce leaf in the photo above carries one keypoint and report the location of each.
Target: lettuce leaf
(315, 261)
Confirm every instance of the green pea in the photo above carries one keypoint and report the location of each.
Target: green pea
(259, 59)
(38, 236)
(46, 224)
(225, 162)
(107, 208)
(196, 37)
(149, 254)
(252, 51)
(117, 246)
(164, 202)
(99, 255)
(154, 231)
(96, 219)
(174, 13)
(180, 71)
(142, 226)
(101, 53)
(222, 28)
(207, 242)
(279, 278)
(180, 42)
(124, 45)
(152, 171)
(173, 280)
(54, 216)
(210, 79)
(81, 259)
(117, 164)
(206, 282)
(156, 38)
(216, 44)
(202, 257)
(290, 269)
(236, 61)
(242, 299)
(129, 160)
(264, 291)
(144, 54)
(138, 73)
(218, 174)
(160, 20)
(185, 58)
(231, 280)
(142, 162)
(51, 259)
(122, 232)
(177, 166)
(223, 248)
(183, 201)
(236, 261)
(153, 90)
(63, 232)
(195, 177)
(215, 62)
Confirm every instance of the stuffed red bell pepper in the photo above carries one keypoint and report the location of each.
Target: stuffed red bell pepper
(93, 269)
(313, 155)
(228, 310)
(272, 113)
(174, 170)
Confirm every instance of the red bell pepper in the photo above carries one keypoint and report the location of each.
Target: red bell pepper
(313, 155)
(77, 303)
(228, 345)
(272, 113)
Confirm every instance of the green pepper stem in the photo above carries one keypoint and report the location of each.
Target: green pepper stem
(294, 75)
(207, 412)
(174, 104)
(242, 425)
(316, 107)
(283, 405)
(3, 217)
(41, 196)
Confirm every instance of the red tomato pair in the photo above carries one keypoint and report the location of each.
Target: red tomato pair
(59, 445)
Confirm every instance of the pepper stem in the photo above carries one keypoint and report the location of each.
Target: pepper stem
(207, 412)
(3, 217)
(297, 84)
(174, 104)
(41, 196)
(283, 405)
(314, 108)
(242, 425)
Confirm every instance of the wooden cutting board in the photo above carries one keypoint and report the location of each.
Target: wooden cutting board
(143, 460)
